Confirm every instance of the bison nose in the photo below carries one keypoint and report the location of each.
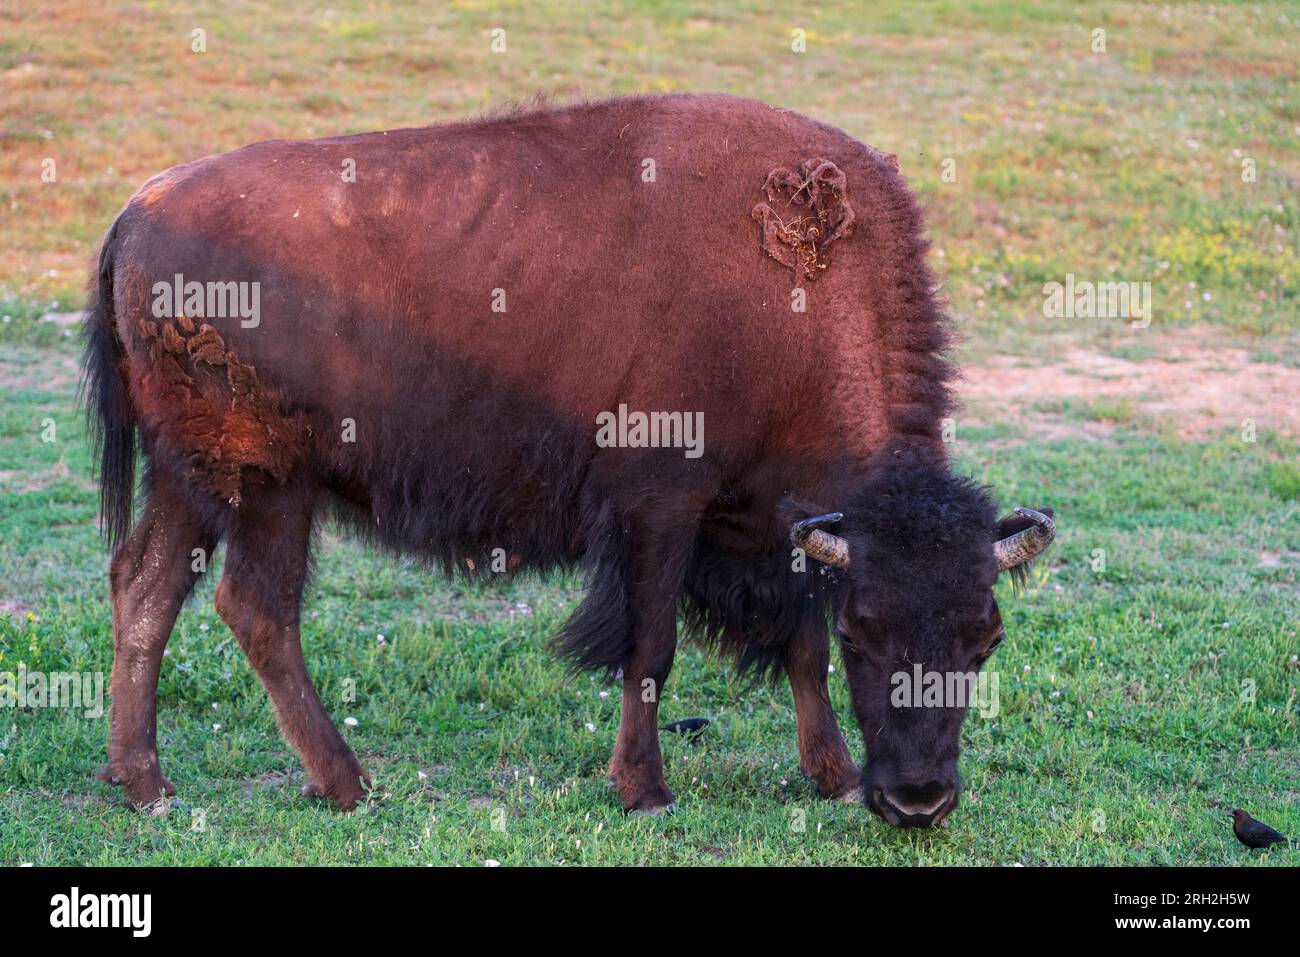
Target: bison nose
(915, 805)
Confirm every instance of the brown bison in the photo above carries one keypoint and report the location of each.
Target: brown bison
(498, 345)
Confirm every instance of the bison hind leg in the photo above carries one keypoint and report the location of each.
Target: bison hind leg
(151, 575)
(268, 554)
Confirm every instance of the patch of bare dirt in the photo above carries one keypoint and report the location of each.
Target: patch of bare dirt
(45, 371)
(15, 610)
(1194, 388)
(21, 482)
(1194, 63)
(270, 781)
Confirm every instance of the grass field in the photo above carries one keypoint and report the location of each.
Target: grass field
(1138, 700)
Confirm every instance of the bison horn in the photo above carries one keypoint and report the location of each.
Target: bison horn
(1022, 546)
(826, 548)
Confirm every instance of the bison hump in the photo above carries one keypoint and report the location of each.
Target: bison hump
(814, 212)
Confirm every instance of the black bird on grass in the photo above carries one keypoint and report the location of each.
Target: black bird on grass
(689, 728)
(1254, 833)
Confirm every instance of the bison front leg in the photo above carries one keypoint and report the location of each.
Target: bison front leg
(656, 565)
(823, 754)
(152, 574)
(260, 598)
(637, 767)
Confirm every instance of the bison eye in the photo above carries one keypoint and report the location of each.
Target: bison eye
(988, 652)
(847, 644)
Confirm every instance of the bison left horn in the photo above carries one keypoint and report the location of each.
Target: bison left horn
(1022, 546)
(826, 548)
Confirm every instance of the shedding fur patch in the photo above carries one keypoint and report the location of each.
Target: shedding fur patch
(207, 404)
(818, 192)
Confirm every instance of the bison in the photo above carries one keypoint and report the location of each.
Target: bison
(478, 343)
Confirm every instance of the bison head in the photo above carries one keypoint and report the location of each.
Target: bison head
(918, 552)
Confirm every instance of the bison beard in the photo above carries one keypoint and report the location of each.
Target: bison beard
(436, 340)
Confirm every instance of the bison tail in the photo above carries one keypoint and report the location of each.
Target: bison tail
(599, 635)
(104, 392)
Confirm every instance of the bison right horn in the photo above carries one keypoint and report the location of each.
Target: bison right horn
(1019, 548)
(826, 548)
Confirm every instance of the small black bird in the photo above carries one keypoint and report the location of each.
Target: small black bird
(1254, 833)
(689, 728)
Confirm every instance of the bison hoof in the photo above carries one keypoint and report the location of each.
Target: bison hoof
(345, 796)
(145, 791)
(649, 801)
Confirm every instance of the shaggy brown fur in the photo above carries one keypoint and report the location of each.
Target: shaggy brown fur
(385, 380)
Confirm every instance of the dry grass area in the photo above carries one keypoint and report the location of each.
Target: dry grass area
(1196, 387)
(1117, 164)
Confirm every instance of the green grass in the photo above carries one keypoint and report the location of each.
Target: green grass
(1123, 727)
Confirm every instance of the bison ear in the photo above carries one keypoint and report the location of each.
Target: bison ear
(1021, 537)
